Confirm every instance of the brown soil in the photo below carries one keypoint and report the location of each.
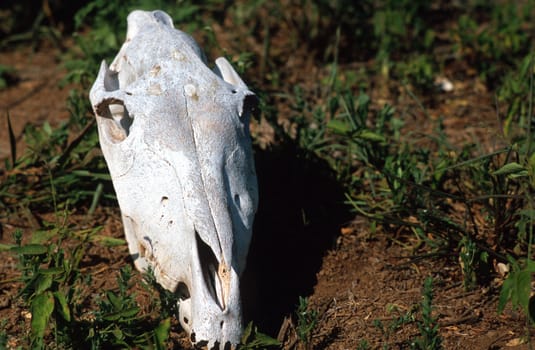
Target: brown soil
(305, 243)
(36, 98)
(364, 280)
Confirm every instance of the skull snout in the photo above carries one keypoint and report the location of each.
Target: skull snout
(209, 309)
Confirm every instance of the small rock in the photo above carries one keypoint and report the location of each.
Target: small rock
(502, 269)
(444, 84)
(5, 302)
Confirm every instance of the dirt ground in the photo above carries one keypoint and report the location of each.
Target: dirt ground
(355, 278)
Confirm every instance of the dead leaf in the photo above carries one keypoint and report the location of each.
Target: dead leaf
(515, 342)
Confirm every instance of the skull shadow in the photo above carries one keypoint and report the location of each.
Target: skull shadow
(299, 217)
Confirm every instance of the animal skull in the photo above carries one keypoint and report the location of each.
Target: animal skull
(175, 136)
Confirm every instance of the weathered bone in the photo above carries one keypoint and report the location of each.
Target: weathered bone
(175, 136)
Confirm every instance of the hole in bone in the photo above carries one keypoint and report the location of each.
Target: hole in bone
(182, 291)
(164, 200)
(119, 123)
(202, 345)
(184, 306)
(209, 267)
(237, 201)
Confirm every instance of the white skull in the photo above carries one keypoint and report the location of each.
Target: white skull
(175, 136)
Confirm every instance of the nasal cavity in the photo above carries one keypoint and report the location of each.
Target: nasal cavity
(237, 201)
(210, 268)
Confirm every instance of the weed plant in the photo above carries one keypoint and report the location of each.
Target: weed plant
(307, 319)
(55, 291)
(421, 315)
(428, 325)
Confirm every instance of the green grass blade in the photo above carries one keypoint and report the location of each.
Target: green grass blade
(63, 306)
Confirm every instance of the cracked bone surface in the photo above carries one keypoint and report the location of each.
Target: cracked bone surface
(175, 136)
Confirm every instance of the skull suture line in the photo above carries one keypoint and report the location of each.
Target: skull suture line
(175, 136)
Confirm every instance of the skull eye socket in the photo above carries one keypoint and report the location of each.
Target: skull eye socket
(237, 201)
(116, 120)
(182, 291)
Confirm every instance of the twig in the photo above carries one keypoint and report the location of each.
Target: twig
(461, 320)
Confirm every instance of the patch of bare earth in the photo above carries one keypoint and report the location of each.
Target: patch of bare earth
(366, 285)
(35, 98)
